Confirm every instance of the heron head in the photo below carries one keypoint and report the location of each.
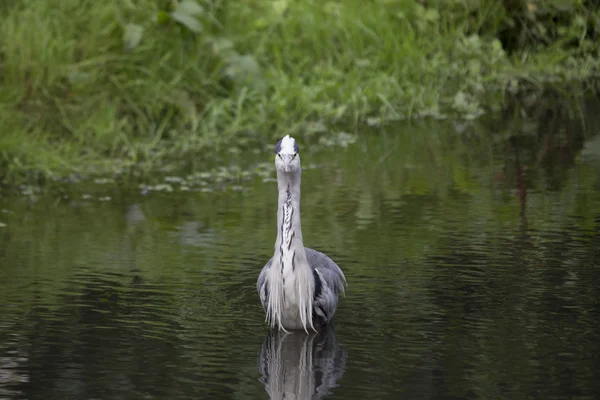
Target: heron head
(287, 158)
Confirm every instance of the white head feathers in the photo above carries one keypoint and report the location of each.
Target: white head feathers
(287, 145)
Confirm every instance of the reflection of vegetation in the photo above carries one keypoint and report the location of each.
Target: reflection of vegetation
(104, 86)
(457, 283)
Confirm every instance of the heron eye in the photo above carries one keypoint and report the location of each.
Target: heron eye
(294, 156)
(279, 154)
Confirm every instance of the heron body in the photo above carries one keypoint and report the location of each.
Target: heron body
(298, 287)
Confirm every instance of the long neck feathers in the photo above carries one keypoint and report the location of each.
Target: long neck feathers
(290, 273)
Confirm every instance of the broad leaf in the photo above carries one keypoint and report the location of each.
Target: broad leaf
(189, 7)
(187, 20)
(132, 35)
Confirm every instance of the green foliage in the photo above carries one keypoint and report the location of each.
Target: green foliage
(103, 87)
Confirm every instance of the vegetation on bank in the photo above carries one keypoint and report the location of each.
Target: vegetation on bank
(115, 86)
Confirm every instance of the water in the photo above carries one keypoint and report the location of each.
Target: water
(472, 252)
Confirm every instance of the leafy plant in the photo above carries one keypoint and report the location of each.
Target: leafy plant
(109, 87)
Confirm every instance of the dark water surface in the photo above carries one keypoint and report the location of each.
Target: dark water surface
(472, 253)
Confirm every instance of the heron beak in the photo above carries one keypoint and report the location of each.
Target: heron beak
(287, 159)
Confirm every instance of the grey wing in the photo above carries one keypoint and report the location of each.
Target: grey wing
(261, 284)
(329, 282)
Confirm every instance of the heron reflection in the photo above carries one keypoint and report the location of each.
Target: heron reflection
(297, 365)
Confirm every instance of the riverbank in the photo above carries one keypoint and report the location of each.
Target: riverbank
(114, 88)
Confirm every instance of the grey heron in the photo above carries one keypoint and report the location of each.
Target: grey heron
(299, 286)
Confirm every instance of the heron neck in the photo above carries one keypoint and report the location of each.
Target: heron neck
(289, 230)
(291, 282)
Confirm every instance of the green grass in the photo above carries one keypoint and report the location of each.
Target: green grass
(104, 87)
